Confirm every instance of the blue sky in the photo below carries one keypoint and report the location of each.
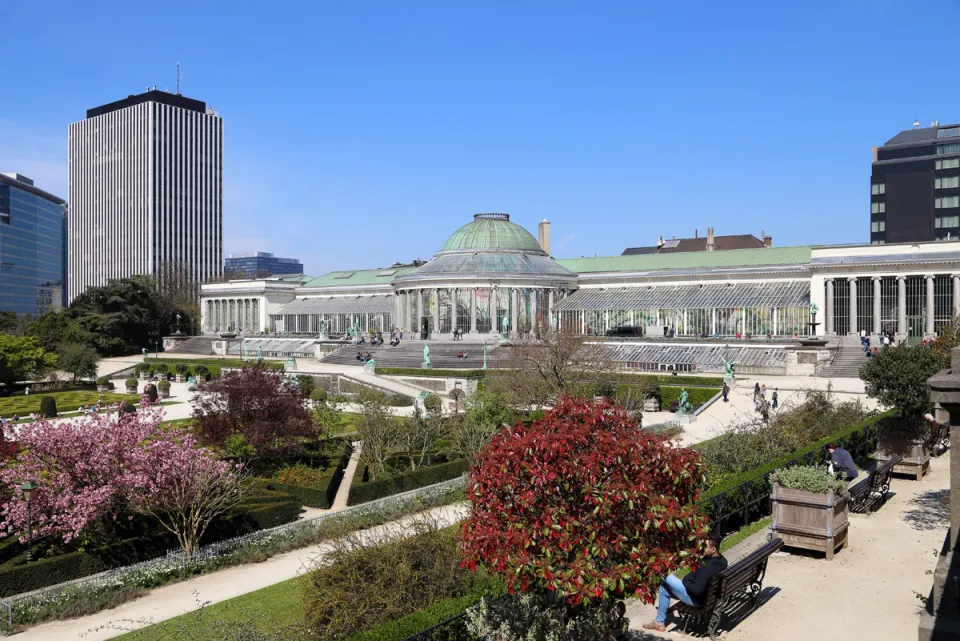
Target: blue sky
(363, 133)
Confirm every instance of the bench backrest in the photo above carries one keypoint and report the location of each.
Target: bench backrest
(886, 466)
(740, 574)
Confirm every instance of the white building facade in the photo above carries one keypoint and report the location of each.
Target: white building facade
(146, 191)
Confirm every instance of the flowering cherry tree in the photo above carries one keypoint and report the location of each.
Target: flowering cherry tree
(582, 503)
(93, 467)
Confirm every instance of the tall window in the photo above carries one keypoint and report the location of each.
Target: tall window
(878, 188)
(947, 183)
(888, 304)
(949, 163)
(865, 304)
(953, 148)
(916, 310)
(943, 222)
(878, 208)
(952, 132)
(878, 225)
(841, 306)
(942, 300)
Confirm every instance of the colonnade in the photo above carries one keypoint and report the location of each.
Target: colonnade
(474, 310)
(914, 306)
(232, 315)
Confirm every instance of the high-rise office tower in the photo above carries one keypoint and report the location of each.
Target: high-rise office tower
(33, 247)
(915, 186)
(146, 191)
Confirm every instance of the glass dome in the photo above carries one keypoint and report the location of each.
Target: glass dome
(492, 231)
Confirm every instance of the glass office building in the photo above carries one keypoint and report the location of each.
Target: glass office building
(260, 265)
(33, 252)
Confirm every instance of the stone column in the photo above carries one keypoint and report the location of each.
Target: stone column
(928, 330)
(901, 306)
(552, 313)
(493, 302)
(853, 307)
(713, 322)
(416, 328)
(397, 312)
(435, 301)
(514, 309)
(473, 310)
(532, 308)
(829, 306)
(956, 295)
(776, 314)
(877, 311)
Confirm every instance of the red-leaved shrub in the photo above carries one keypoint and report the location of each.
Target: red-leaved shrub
(583, 503)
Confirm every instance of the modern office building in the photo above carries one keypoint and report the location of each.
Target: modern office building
(33, 247)
(260, 265)
(146, 190)
(915, 186)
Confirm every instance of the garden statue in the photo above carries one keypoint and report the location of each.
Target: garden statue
(484, 355)
(813, 309)
(243, 351)
(178, 325)
(553, 322)
(729, 365)
(290, 364)
(259, 354)
(323, 328)
(426, 357)
(684, 407)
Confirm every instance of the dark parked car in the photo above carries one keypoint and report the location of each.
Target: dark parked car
(625, 330)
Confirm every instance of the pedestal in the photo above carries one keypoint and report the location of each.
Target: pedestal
(731, 381)
(426, 365)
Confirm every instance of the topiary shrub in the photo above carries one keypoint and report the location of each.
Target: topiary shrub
(202, 371)
(809, 478)
(399, 400)
(897, 377)
(433, 403)
(131, 383)
(151, 391)
(180, 368)
(126, 407)
(164, 386)
(306, 385)
(161, 369)
(102, 381)
(533, 539)
(318, 395)
(48, 407)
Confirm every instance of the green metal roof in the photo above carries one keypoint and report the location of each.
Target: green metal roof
(491, 231)
(759, 257)
(351, 277)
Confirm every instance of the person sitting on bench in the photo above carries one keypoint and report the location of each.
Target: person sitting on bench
(841, 462)
(693, 587)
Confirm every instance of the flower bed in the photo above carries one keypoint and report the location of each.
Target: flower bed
(66, 401)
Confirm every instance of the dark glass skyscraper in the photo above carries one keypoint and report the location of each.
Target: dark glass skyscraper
(33, 247)
(260, 264)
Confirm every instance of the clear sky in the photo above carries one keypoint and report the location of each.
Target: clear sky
(363, 133)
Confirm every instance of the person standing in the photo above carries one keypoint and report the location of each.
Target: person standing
(692, 589)
(775, 398)
(726, 391)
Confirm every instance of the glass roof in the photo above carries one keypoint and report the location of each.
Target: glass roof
(705, 296)
(339, 305)
(490, 262)
(492, 231)
(703, 356)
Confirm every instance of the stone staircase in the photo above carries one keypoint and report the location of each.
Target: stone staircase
(443, 355)
(199, 345)
(847, 361)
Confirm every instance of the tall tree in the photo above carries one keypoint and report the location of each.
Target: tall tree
(177, 283)
(56, 329)
(78, 360)
(257, 403)
(381, 435)
(22, 358)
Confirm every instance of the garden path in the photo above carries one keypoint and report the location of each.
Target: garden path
(176, 599)
(870, 587)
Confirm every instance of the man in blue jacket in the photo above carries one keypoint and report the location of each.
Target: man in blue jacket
(842, 462)
(693, 588)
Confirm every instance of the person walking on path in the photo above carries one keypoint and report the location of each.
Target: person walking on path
(776, 399)
(756, 396)
(693, 587)
(726, 391)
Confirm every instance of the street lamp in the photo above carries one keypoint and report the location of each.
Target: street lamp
(29, 492)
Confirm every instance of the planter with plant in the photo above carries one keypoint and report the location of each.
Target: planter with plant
(164, 388)
(811, 509)
(202, 371)
(143, 371)
(131, 384)
(181, 370)
(909, 438)
(161, 369)
(103, 384)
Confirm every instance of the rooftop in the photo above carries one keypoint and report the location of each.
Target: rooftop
(22, 182)
(699, 244)
(759, 257)
(151, 95)
(352, 278)
(492, 231)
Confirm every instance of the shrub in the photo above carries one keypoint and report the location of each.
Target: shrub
(364, 492)
(519, 617)
(192, 388)
(306, 385)
(102, 381)
(399, 400)
(527, 535)
(161, 369)
(302, 475)
(180, 368)
(126, 407)
(202, 371)
(131, 383)
(903, 427)
(437, 373)
(605, 389)
(164, 385)
(897, 377)
(433, 403)
(809, 478)
(151, 391)
(318, 395)
(366, 581)
(48, 407)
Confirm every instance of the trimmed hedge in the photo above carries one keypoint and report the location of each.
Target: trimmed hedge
(364, 492)
(213, 362)
(309, 496)
(444, 373)
(260, 511)
(698, 395)
(431, 615)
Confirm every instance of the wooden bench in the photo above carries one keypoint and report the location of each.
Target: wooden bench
(741, 581)
(870, 492)
(940, 438)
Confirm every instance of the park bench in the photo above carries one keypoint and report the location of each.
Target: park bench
(740, 582)
(940, 438)
(868, 493)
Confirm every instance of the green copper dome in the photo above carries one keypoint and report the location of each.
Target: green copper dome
(492, 231)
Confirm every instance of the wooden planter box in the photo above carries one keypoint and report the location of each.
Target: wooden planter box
(132, 390)
(810, 521)
(163, 393)
(145, 376)
(181, 378)
(651, 405)
(915, 455)
(103, 388)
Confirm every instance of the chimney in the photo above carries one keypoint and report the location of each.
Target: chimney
(710, 244)
(544, 235)
(696, 233)
(767, 240)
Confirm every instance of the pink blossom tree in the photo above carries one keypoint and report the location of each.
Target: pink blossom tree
(99, 464)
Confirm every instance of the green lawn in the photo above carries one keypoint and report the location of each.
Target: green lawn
(279, 603)
(66, 401)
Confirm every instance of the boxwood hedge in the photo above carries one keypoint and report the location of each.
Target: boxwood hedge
(361, 492)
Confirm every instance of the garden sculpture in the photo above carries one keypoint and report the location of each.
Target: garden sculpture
(685, 407)
(323, 327)
(259, 354)
(426, 355)
(484, 355)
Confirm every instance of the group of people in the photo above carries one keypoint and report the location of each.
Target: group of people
(461, 355)
(760, 402)
(457, 334)
(363, 358)
(884, 339)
